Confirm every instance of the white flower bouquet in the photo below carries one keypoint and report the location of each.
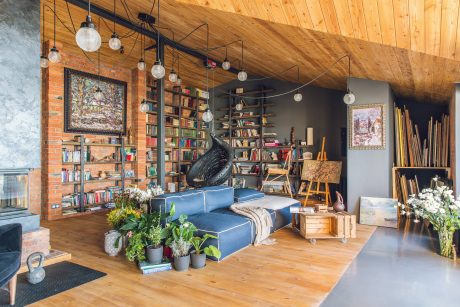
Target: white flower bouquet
(441, 209)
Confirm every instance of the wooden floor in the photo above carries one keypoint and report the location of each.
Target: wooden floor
(292, 272)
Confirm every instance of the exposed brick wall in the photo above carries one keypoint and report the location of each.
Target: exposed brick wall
(53, 125)
(35, 241)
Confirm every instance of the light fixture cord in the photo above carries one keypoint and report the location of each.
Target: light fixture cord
(54, 26)
(158, 31)
(349, 74)
(242, 54)
(89, 7)
(43, 34)
(114, 13)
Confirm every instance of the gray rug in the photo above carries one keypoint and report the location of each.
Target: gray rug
(59, 277)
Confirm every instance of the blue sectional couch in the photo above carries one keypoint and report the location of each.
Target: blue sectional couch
(208, 209)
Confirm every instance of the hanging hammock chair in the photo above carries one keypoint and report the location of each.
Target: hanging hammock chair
(213, 168)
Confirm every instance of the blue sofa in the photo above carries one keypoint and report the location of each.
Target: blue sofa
(208, 209)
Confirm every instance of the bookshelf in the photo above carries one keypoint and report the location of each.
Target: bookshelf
(248, 131)
(151, 171)
(185, 133)
(420, 152)
(88, 183)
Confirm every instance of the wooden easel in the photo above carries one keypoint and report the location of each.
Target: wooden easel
(317, 190)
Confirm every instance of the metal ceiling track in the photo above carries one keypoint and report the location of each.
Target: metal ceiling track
(106, 14)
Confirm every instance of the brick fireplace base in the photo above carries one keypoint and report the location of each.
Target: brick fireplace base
(35, 241)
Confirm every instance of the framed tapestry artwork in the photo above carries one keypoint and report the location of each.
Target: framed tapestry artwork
(378, 211)
(366, 126)
(85, 114)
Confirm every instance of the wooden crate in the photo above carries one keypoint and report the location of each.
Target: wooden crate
(329, 225)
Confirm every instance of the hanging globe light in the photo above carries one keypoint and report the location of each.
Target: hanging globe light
(179, 80)
(172, 76)
(98, 95)
(141, 65)
(114, 42)
(207, 116)
(158, 71)
(349, 98)
(44, 61)
(87, 36)
(144, 106)
(297, 96)
(54, 56)
(242, 76)
(226, 64)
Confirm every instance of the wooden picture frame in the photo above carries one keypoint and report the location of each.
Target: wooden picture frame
(366, 124)
(84, 114)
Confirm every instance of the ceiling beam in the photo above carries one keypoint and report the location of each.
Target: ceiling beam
(106, 14)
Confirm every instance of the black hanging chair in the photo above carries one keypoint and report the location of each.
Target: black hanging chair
(214, 167)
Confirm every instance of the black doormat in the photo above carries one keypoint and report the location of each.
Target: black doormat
(59, 277)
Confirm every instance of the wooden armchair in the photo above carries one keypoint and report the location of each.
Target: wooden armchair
(279, 173)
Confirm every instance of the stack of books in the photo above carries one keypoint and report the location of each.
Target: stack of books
(148, 268)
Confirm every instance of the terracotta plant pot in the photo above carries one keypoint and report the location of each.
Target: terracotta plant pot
(198, 260)
(182, 263)
(155, 255)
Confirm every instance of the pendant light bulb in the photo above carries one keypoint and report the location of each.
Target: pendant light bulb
(207, 116)
(98, 95)
(87, 36)
(141, 65)
(297, 96)
(44, 61)
(349, 98)
(179, 80)
(226, 64)
(172, 76)
(115, 42)
(242, 75)
(158, 71)
(54, 56)
(144, 106)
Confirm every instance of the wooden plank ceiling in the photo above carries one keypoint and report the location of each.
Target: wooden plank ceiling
(412, 44)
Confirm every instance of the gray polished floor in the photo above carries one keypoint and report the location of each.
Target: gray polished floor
(399, 268)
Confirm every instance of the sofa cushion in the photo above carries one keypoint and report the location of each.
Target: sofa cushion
(217, 197)
(253, 226)
(9, 265)
(242, 195)
(233, 232)
(188, 202)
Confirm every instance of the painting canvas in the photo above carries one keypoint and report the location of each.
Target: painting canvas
(84, 113)
(367, 126)
(322, 171)
(379, 211)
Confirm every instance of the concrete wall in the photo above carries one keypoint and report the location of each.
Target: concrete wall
(369, 171)
(19, 84)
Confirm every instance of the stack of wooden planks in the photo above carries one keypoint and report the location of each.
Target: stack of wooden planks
(406, 187)
(411, 151)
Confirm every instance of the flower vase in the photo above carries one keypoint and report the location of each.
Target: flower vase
(112, 243)
(445, 242)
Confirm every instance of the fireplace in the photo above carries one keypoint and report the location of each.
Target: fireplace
(14, 191)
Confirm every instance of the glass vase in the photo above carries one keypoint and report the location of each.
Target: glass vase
(445, 242)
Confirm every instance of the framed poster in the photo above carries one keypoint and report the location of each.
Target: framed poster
(366, 126)
(85, 114)
(378, 211)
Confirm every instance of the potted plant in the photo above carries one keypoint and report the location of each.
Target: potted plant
(124, 207)
(441, 209)
(180, 236)
(154, 235)
(199, 254)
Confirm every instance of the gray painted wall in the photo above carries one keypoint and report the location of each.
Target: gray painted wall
(323, 109)
(369, 171)
(19, 84)
(454, 111)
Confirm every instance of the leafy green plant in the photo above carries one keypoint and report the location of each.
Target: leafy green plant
(136, 247)
(179, 236)
(209, 250)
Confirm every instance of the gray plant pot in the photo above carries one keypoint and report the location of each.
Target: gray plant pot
(198, 260)
(182, 263)
(155, 255)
